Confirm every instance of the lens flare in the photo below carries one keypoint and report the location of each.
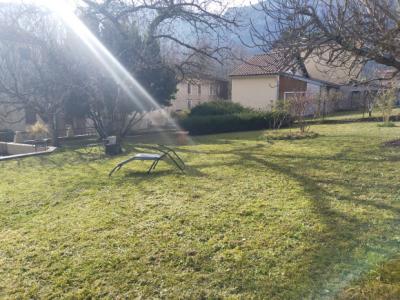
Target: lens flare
(115, 69)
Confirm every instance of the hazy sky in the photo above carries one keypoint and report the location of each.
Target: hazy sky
(228, 2)
(239, 2)
(232, 3)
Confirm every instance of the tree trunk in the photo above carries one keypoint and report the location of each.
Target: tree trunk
(54, 131)
(364, 108)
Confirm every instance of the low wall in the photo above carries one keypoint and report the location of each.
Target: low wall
(15, 150)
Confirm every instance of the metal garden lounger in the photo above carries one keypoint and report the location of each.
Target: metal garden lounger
(165, 152)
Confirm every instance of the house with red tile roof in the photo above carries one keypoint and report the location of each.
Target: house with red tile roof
(264, 79)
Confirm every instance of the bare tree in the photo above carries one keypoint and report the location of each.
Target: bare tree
(327, 101)
(339, 33)
(34, 67)
(385, 101)
(140, 35)
(189, 27)
(47, 73)
(301, 105)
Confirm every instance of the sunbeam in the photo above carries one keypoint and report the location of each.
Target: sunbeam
(66, 11)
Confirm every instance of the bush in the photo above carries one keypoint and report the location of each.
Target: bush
(387, 124)
(218, 108)
(179, 114)
(385, 101)
(234, 122)
(7, 135)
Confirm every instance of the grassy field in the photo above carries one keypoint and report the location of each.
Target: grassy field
(314, 218)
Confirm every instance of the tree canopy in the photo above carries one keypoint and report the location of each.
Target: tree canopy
(47, 69)
(340, 33)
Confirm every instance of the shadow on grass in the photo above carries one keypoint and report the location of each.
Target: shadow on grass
(138, 176)
(76, 158)
(340, 235)
(345, 230)
(343, 233)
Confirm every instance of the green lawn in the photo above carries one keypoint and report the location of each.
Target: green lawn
(357, 115)
(251, 219)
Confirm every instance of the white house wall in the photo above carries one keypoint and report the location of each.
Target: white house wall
(255, 92)
(182, 98)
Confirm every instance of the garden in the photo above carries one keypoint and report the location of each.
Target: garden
(252, 217)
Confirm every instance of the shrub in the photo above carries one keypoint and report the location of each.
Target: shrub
(300, 105)
(38, 130)
(387, 124)
(218, 108)
(386, 99)
(7, 135)
(198, 125)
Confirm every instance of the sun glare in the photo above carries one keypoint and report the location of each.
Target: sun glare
(66, 11)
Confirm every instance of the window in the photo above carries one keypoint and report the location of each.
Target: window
(199, 89)
(189, 89)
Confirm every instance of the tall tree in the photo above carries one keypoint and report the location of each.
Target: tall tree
(139, 34)
(114, 106)
(181, 25)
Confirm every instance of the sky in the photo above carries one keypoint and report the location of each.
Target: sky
(230, 3)
(240, 2)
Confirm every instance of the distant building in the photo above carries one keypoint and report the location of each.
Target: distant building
(199, 89)
(264, 79)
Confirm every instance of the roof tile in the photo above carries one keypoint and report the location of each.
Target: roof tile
(264, 64)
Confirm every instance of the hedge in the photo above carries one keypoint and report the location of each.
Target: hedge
(218, 108)
(197, 125)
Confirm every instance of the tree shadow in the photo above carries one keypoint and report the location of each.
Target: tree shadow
(75, 157)
(337, 224)
(335, 242)
(342, 232)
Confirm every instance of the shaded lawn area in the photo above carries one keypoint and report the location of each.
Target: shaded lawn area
(250, 219)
